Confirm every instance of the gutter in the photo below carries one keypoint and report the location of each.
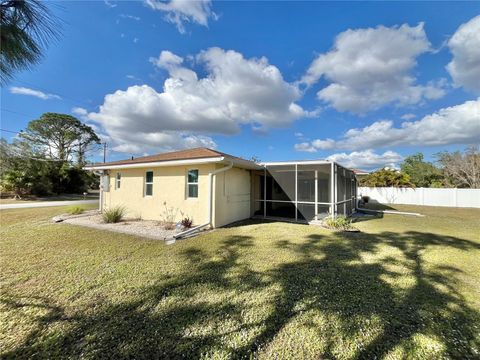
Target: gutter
(156, 163)
(210, 203)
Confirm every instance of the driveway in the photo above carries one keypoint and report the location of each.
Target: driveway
(47, 203)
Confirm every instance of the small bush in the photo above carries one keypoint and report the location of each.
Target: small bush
(187, 222)
(169, 214)
(366, 199)
(114, 215)
(339, 223)
(75, 210)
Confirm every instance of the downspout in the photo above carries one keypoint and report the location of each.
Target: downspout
(210, 203)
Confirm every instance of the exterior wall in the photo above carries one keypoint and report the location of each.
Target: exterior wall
(423, 196)
(232, 196)
(169, 185)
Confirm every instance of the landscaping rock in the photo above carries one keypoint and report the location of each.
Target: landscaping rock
(144, 228)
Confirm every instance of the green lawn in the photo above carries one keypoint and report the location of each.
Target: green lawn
(405, 287)
(32, 199)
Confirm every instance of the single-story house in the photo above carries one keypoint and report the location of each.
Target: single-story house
(360, 174)
(215, 189)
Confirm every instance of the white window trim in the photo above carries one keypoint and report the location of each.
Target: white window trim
(145, 183)
(192, 183)
(117, 180)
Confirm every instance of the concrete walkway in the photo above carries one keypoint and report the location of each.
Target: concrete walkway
(47, 203)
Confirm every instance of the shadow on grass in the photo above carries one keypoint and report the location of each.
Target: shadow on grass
(375, 205)
(328, 277)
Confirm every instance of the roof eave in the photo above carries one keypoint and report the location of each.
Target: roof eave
(244, 164)
(156, 163)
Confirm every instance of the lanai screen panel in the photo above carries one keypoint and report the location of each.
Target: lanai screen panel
(303, 191)
(280, 191)
(313, 191)
(345, 191)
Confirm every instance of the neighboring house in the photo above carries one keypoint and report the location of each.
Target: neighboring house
(214, 188)
(360, 174)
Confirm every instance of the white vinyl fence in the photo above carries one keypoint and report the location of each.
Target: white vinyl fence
(423, 196)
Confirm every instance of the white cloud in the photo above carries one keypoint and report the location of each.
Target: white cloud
(139, 143)
(36, 93)
(131, 17)
(458, 124)
(465, 47)
(408, 116)
(235, 91)
(110, 4)
(79, 111)
(367, 159)
(370, 68)
(179, 12)
(305, 147)
(135, 40)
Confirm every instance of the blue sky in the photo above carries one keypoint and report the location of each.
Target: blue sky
(363, 83)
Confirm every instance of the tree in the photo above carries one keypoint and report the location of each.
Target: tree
(385, 178)
(26, 29)
(23, 171)
(461, 169)
(40, 162)
(255, 159)
(61, 137)
(421, 173)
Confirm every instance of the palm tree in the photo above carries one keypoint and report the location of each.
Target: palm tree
(26, 29)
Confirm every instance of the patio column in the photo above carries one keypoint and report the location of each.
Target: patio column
(265, 192)
(296, 192)
(332, 189)
(316, 195)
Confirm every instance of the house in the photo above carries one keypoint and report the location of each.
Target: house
(360, 174)
(214, 188)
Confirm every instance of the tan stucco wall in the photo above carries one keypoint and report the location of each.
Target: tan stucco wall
(169, 185)
(231, 194)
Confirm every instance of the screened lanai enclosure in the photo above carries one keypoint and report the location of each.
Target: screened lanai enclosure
(303, 191)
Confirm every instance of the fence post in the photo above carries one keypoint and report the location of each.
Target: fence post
(455, 201)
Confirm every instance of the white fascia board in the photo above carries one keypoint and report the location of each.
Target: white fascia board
(301, 162)
(244, 164)
(157, 164)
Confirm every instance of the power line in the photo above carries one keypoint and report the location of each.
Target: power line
(10, 131)
(14, 112)
(33, 158)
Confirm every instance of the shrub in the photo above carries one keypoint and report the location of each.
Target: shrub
(366, 199)
(169, 214)
(187, 222)
(113, 215)
(338, 223)
(75, 210)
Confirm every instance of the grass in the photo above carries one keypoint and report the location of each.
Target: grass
(33, 199)
(75, 210)
(404, 288)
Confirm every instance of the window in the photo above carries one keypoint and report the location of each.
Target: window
(117, 181)
(149, 183)
(192, 183)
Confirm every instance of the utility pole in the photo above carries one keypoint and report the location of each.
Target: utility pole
(104, 152)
